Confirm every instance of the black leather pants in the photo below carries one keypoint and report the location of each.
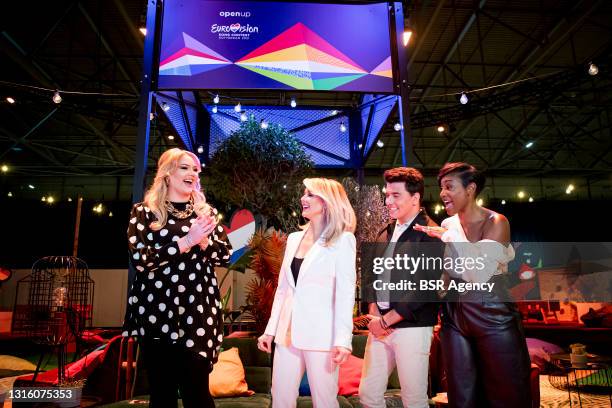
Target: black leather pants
(485, 353)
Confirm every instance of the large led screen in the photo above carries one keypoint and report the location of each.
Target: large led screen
(275, 45)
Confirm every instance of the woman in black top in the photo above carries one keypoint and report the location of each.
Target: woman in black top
(174, 303)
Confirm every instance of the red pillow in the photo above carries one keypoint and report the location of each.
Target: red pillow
(350, 376)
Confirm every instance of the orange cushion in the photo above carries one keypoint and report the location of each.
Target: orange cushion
(227, 377)
(349, 376)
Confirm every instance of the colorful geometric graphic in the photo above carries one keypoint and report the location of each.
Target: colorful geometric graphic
(300, 58)
(193, 58)
(384, 69)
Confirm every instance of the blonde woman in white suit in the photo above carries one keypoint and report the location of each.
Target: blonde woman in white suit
(311, 320)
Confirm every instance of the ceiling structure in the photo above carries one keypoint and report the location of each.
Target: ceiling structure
(86, 144)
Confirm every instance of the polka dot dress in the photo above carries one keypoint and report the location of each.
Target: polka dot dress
(175, 296)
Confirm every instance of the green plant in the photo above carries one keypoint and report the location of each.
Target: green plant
(260, 170)
(268, 248)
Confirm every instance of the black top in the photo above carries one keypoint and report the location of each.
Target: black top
(295, 267)
(175, 297)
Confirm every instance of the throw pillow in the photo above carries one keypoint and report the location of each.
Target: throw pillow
(227, 378)
(350, 376)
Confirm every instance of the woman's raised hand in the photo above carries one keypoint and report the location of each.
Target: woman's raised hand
(435, 232)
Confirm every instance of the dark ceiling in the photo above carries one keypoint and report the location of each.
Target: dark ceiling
(86, 144)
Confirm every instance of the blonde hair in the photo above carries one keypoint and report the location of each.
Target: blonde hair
(157, 194)
(339, 215)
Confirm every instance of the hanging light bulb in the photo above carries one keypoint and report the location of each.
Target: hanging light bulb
(503, 202)
(200, 149)
(342, 127)
(264, 124)
(143, 31)
(165, 107)
(463, 99)
(359, 146)
(216, 99)
(334, 112)
(380, 143)
(293, 103)
(243, 117)
(529, 144)
(397, 127)
(441, 129)
(593, 69)
(170, 137)
(10, 100)
(215, 109)
(57, 98)
(238, 107)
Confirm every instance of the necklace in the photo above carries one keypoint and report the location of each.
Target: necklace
(180, 214)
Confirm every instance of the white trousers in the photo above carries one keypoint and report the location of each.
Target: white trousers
(408, 349)
(288, 369)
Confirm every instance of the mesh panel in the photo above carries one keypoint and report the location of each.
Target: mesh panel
(325, 136)
(379, 118)
(328, 137)
(175, 116)
(321, 160)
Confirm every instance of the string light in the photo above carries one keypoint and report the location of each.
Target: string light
(50, 200)
(463, 98)
(503, 202)
(44, 199)
(57, 98)
(110, 214)
(397, 127)
(170, 137)
(438, 208)
(406, 37)
(441, 129)
(238, 107)
(31, 187)
(151, 116)
(380, 143)
(4, 168)
(569, 189)
(69, 199)
(293, 103)
(216, 99)
(334, 112)
(200, 149)
(165, 107)
(264, 124)
(521, 194)
(294, 214)
(360, 146)
(531, 199)
(143, 31)
(10, 100)
(480, 202)
(10, 194)
(214, 109)
(243, 117)
(593, 69)
(342, 127)
(529, 144)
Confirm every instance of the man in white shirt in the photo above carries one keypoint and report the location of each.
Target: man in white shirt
(400, 332)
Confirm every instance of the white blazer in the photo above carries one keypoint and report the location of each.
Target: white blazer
(316, 312)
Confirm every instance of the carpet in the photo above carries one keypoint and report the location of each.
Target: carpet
(551, 397)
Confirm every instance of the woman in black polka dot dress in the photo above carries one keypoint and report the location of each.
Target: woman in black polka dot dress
(174, 303)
